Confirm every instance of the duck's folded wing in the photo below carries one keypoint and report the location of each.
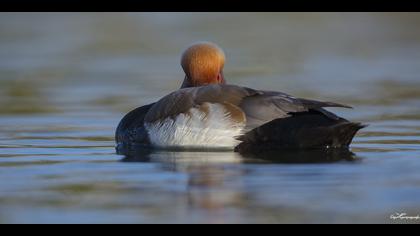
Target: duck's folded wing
(268, 105)
(258, 106)
(183, 100)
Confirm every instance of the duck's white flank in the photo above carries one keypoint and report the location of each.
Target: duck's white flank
(211, 127)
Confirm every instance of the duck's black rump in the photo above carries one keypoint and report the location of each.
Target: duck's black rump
(301, 130)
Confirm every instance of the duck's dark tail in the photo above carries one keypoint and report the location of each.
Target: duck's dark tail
(313, 129)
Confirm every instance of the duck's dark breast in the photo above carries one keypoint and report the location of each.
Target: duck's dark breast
(131, 129)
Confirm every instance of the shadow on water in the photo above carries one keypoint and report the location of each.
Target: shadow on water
(311, 156)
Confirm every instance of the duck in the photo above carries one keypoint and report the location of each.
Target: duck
(207, 113)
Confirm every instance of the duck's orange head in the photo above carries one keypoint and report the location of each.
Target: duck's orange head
(203, 64)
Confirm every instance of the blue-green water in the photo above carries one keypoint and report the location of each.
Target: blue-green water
(66, 79)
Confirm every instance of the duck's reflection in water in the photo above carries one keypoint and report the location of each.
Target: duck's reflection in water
(217, 180)
(214, 183)
(287, 156)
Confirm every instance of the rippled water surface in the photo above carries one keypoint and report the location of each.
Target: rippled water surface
(66, 79)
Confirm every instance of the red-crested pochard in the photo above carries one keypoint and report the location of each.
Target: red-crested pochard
(206, 113)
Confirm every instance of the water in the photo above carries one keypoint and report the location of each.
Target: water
(66, 79)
